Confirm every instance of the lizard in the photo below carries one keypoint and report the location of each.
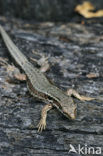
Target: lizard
(40, 87)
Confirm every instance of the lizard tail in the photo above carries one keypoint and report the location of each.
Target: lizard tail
(20, 59)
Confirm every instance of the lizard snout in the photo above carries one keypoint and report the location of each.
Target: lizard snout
(72, 116)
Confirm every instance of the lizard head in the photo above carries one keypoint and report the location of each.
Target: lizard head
(69, 109)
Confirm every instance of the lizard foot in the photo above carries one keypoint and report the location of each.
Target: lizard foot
(84, 98)
(42, 125)
(42, 62)
(71, 92)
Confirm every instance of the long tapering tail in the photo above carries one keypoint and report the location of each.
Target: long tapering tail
(13, 50)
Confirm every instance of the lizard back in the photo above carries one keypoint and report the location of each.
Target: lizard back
(37, 79)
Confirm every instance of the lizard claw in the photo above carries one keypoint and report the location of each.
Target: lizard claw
(42, 125)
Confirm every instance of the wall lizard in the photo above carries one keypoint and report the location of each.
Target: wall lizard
(40, 87)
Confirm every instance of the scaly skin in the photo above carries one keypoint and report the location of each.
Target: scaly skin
(39, 86)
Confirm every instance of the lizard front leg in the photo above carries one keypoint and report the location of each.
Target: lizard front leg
(42, 123)
(73, 92)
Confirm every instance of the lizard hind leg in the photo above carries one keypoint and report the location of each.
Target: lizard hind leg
(42, 62)
(42, 124)
(73, 92)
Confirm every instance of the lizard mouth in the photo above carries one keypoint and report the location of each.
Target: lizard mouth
(69, 116)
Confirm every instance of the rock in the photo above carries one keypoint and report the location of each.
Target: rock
(74, 50)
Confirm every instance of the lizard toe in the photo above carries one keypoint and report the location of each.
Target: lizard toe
(41, 126)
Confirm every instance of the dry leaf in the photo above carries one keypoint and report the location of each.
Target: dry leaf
(86, 9)
(92, 75)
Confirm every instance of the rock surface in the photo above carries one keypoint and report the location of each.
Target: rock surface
(75, 51)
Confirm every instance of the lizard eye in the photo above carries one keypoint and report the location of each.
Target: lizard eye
(50, 98)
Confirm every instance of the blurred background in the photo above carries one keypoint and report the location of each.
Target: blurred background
(44, 10)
